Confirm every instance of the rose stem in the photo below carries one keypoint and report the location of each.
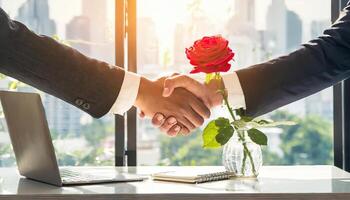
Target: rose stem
(244, 159)
(239, 135)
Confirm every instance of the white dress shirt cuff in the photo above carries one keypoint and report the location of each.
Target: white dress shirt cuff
(234, 90)
(127, 94)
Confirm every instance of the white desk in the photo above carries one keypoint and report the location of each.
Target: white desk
(274, 182)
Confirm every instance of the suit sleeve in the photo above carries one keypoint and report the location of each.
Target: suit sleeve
(317, 65)
(59, 70)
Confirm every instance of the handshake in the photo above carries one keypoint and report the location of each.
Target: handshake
(177, 104)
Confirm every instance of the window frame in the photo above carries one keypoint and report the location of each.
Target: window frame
(125, 57)
(341, 95)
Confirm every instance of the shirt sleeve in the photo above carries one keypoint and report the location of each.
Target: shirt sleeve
(234, 90)
(127, 95)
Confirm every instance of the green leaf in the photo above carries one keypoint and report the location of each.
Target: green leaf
(224, 135)
(222, 122)
(209, 135)
(257, 136)
(217, 133)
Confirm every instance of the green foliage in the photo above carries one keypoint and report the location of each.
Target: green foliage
(224, 135)
(95, 134)
(209, 136)
(309, 142)
(217, 133)
(187, 150)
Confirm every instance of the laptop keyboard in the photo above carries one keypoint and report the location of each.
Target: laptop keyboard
(70, 176)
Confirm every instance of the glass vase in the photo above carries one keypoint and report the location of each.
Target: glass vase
(242, 156)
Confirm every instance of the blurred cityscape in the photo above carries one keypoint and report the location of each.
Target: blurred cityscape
(283, 33)
(90, 32)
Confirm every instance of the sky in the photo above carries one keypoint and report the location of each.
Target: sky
(64, 10)
(167, 13)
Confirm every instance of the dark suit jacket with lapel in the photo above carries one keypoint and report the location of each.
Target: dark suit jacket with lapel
(40, 61)
(319, 64)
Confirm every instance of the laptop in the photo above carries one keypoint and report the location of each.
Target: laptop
(34, 151)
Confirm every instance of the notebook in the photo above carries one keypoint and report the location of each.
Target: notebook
(192, 177)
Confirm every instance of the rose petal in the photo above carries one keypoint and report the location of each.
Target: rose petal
(210, 54)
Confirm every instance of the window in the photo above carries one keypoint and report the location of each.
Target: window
(89, 27)
(257, 31)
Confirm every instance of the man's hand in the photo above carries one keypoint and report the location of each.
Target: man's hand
(208, 93)
(184, 110)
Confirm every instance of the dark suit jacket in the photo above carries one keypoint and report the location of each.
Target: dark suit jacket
(40, 61)
(319, 64)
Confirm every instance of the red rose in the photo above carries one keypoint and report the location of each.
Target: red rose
(210, 54)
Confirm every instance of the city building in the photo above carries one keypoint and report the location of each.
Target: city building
(241, 33)
(317, 27)
(283, 27)
(245, 10)
(147, 46)
(78, 31)
(101, 33)
(35, 15)
(196, 26)
(62, 117)
(294, 31)
(180, 44)
(276, 27)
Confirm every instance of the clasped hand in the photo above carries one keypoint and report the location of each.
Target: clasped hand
(177, 104)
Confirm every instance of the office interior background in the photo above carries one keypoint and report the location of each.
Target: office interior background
(257, 30)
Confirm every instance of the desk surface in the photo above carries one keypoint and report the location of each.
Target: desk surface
(280, 182)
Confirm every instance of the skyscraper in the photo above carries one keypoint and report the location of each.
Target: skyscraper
(245, 10)
(62, 117)
(196, 26)
(317, 27)
(294, 30)
(78, 30)
(147, 44)
(180, 41)
(102, 47)
(276, 27)
(283, 28)
(241, 32)
(283, 34)
(35, 15)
